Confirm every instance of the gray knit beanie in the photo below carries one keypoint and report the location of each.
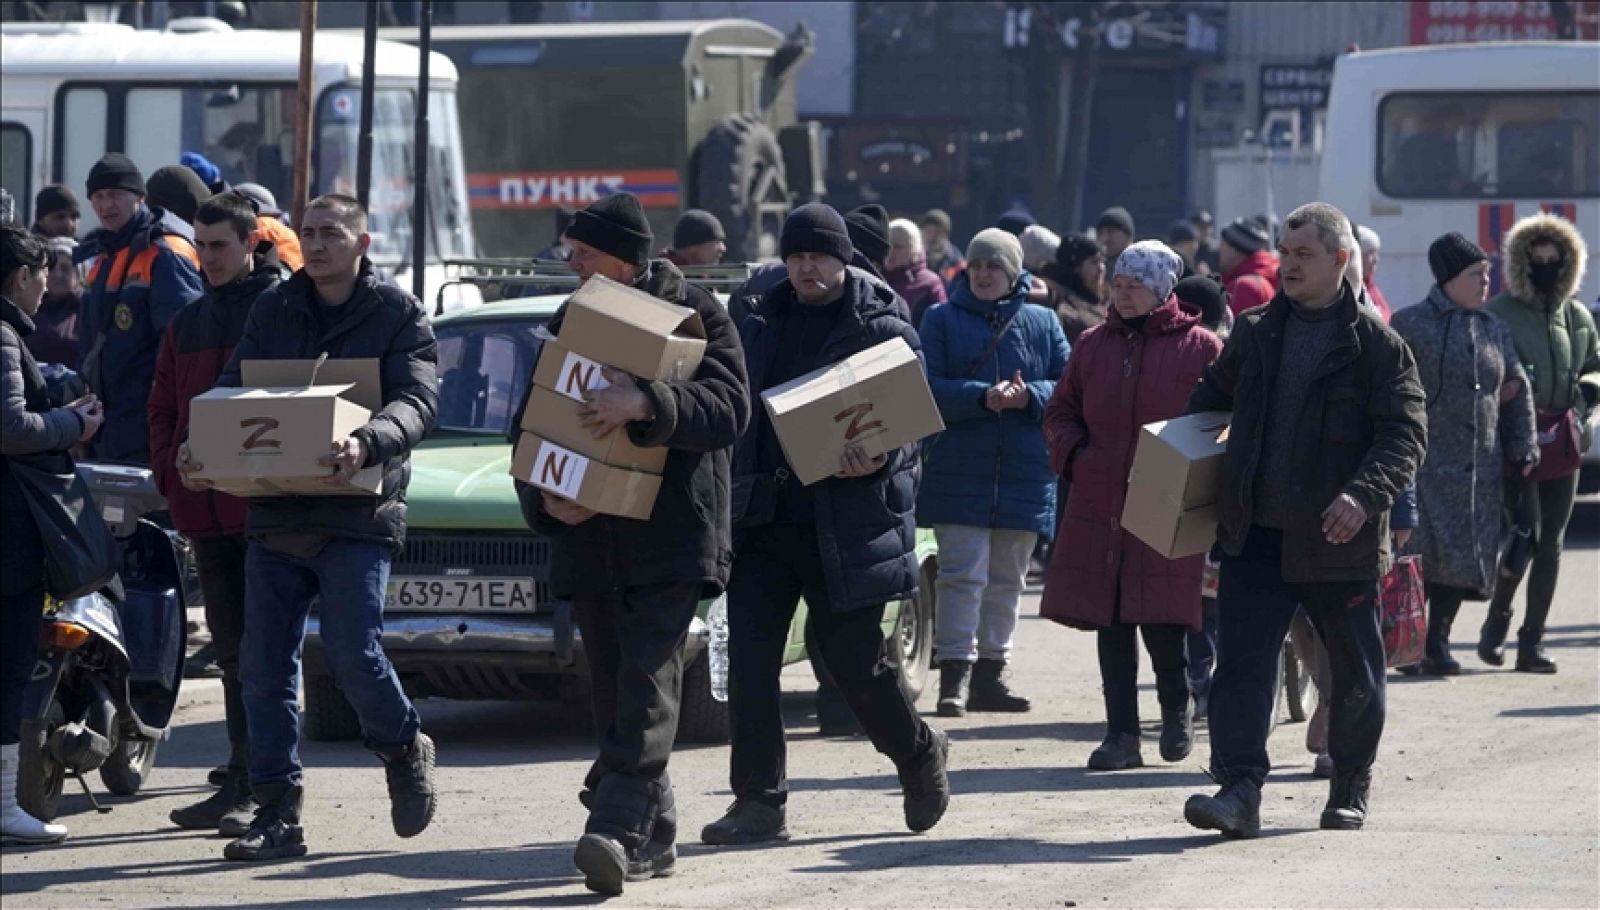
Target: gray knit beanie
(998, 245)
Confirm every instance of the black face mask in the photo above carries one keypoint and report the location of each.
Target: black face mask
(1543, 275)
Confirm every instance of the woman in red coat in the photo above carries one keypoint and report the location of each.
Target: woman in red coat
(1137, 368)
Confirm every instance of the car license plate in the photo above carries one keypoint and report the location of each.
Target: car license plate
(426, 592)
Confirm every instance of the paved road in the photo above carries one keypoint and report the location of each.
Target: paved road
(1487, 793)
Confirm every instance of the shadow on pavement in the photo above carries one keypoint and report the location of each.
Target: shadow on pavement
(965, 781)
(1014, 851)
(1553, 711)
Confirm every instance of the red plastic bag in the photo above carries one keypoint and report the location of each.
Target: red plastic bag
(1401, 612)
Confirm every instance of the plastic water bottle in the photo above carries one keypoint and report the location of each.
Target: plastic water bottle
(717, 647)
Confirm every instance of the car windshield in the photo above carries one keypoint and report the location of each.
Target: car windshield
(393, 123)
(484, 367)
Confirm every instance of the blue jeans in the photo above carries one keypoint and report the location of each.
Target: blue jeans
(349, 576)
(1256, 607)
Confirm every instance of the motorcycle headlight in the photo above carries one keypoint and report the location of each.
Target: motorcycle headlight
(63, 636)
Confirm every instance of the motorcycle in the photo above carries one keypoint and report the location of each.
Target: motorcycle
(105, 686)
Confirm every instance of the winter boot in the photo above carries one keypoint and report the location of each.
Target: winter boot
(275, 833)
(411, 793)
(953, 676)
(228, 811)
(1347, 801)
(991, 690)
(1436, 659)
(1492, 637)
(746, 822)
(1119, 752)
(926, 785)
(16, 825)
(1530, 652)
(658, 857)
(603, 861)
(1235, 810)
(1177, 732)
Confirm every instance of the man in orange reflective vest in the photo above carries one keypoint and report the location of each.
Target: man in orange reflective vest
(142, 271)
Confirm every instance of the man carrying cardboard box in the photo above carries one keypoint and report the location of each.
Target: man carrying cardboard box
(635, 584)
(1329, 427)
(847, 543)
(336, 548)
(195, 348)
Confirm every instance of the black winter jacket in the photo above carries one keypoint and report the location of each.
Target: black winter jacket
(866, 526)
(1363, 432)
(384, 322)
(30, 428)
(688, 537)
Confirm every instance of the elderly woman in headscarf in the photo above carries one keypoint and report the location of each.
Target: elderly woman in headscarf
(1137, 368)
(906, 270)
(1075, 281)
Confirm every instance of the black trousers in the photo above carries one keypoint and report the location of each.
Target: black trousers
(633, 640)
(1256, 607)
(776, 566)
(220, 561)
(1119, 671)
(20, 616)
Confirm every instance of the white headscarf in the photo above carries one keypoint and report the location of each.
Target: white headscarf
(1152, 264)
(903, 232)
(1039, 245)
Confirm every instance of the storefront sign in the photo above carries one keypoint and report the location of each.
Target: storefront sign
(1295, 87)
(574, 189)
(1457, 21)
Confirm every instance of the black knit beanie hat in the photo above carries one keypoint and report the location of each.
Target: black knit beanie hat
(615, 225)
(694, 227)
(816, 228)
(115, 171)
(868, 227)
(177, 189)
(1451, 254)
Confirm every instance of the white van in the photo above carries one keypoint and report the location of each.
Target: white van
(1468, 138)
(71, 92)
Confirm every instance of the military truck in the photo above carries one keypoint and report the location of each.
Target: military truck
(682, 114)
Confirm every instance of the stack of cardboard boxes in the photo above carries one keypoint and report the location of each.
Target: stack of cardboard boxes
(606, 325)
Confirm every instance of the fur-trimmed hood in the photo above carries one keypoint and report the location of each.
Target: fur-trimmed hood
(1518, 251)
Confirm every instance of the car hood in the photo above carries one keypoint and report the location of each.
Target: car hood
(463, 483)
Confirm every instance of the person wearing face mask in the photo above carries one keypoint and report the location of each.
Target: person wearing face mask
(1480, 415)
(988, 491)
(1556, 339)
(1135, 369)
(31, 428)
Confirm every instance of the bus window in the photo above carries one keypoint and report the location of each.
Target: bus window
(246, 131)
(16, 168)
(1483, 145)
(83, 120)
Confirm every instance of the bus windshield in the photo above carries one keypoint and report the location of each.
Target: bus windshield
(1483, 145)
(393, 123)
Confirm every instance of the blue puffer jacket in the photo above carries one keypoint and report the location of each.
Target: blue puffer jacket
(866, 529)
(990, 469)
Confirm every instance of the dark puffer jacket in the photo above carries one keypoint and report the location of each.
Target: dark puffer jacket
(194, 349)
(866, 526)
(688, 536)
(1363, 432)
(28, 427)
(383, 322)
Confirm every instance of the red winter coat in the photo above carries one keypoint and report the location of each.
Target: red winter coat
(1115, 383)
(197, 345)
(1253, 282)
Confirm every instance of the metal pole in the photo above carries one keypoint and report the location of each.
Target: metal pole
(302, 113)
(369, 63)
(419, 185)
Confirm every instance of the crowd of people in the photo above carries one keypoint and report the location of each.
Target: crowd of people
(1451, 433)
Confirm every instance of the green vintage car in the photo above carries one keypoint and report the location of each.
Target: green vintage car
(470, 614)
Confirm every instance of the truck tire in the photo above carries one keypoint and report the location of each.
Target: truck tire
(328, 717)
(701, 718)
(738, 162)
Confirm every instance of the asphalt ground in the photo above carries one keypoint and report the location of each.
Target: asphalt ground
(1487, 793)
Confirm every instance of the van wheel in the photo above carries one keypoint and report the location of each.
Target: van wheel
(701, 718)
(328, 718)
(912, 643)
